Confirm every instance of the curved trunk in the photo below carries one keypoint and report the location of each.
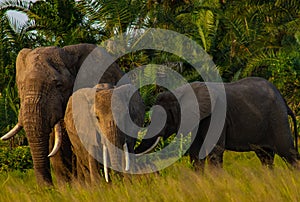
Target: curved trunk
(37, 130)
(114, 146)
(147, 145)
(115, 157)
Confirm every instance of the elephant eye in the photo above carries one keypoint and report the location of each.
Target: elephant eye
(97, 117)
(59, 85)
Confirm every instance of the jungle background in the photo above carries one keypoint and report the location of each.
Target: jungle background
(243, 37)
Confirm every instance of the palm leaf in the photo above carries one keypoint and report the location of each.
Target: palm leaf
(17, 5)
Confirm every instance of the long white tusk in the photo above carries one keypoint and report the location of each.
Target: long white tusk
(57, 139)
(127, 159)
(105, 162)
(12, 132)
(148, 150)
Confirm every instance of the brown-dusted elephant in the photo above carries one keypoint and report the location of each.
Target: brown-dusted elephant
(256, 120)
(88, 112)
(45, 78)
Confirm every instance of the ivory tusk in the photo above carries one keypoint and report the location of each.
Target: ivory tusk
(105, 162)
(12, 132)
(57, 139)
(148, 150)
(127, 159)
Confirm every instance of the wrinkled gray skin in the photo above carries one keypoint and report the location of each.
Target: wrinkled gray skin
(256, 120)
(45, 78)
(88, 112)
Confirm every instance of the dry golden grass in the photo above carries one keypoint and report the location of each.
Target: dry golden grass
(241, 179)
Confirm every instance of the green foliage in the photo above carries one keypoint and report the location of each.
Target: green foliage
(115, 16)
(249, 29)
(149, 94)
(18, 158)
(9, 116)
(177, 144)
(282, 68)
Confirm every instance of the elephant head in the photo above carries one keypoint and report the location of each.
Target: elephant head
(45, 78)
(94, 131)
(174, 106)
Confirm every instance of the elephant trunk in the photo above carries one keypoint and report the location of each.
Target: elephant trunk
(115, 157)
(147, 145)
(37, 130)
(111, 153)
(112, 148)
(119, 160)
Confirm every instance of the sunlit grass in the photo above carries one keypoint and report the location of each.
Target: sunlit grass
(242, 179)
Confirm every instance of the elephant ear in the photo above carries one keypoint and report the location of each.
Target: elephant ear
(136, 106)
(20, 69)
(21, 63)
(128, 102)
(79, 116)
(171, 106)
(76, 54)
(98, 62)
(206, 99)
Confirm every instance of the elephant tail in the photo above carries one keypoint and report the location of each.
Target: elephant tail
(291, 113)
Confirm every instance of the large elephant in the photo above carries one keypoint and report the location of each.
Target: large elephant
(45, 78)
(88, 112)
(256, 120)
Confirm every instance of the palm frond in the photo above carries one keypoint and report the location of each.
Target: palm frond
(206, 23)
(115, 16)
(17, 5)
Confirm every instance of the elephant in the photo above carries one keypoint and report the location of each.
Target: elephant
(45, 79)
(256, 120)
(89, 112)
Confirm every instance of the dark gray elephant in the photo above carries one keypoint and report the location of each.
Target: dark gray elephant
(45, 78)
(89, 111)
(256, 120)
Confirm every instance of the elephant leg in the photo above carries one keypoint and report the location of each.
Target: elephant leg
(289, 154)
(62, 162)
(194, 150)
(197, 163)
(83, 174)
(80, 172)
(283, 140)
(74, 166)
(215, 158)
(266, 156)
(82, 165)
(94, 168)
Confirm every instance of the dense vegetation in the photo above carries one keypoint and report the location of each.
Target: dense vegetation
(243, 37)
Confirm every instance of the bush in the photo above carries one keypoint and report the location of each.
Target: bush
(18, 158)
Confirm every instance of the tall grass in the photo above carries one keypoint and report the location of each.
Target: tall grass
(241, 179)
